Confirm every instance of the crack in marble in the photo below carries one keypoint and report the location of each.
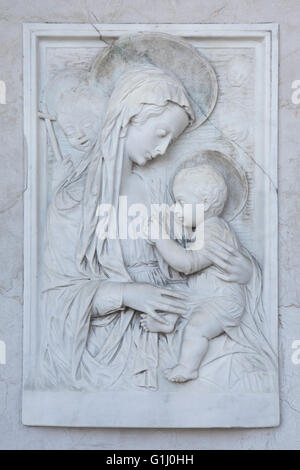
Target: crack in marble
(101, 38)
(284, 400)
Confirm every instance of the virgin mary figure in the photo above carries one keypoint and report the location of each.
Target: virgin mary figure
(96, 287)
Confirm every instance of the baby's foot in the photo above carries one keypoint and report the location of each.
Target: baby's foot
(154, 326)
(181, 374)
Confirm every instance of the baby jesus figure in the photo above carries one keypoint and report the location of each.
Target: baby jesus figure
(219, 305)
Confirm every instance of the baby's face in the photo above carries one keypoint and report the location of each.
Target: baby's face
(187, 205)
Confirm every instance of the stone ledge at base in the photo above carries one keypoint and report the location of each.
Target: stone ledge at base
(150, 410)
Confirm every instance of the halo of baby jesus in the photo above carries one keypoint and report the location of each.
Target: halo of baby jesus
(222, 303)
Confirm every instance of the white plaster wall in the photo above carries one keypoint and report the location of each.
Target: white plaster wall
(13, 435)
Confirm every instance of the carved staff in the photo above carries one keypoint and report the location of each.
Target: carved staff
(49, 126)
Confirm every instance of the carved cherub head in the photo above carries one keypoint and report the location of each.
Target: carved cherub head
(77, 107)
(78, 117)
(199, 185)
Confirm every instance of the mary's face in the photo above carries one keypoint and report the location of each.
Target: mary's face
(146, 141)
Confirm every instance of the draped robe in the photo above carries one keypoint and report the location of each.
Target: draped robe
(89, 338)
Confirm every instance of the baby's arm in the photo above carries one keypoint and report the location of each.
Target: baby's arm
(184, 261)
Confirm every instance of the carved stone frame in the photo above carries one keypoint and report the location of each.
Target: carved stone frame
(155, 410)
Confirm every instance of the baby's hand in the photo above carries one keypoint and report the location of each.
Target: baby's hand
(159, 224)
(149, 230)
(156, 227)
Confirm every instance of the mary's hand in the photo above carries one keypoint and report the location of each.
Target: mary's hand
(234, 265)
(154, 300)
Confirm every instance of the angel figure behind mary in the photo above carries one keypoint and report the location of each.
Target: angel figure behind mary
(75, 108)
(96, 288)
